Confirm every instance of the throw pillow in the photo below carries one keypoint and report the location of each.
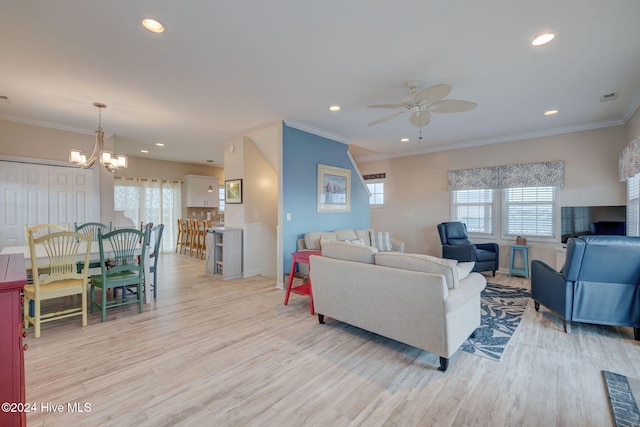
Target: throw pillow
(381, 240)
(464, 268)
(357, 241)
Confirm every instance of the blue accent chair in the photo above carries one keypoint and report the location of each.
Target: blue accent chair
(600, 282)
(456, 245)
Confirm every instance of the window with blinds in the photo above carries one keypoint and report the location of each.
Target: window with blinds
(529, 212)
(633, 206)
(474, 208)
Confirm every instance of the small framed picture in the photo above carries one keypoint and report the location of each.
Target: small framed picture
(233, 191)
(334, 189)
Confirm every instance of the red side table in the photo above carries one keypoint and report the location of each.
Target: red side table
(305, 289)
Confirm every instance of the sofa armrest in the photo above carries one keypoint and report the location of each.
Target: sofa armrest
(550, 289)
(397, 245)
(462, 253)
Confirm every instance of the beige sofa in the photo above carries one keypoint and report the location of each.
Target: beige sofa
(415, 299)
(311, 239)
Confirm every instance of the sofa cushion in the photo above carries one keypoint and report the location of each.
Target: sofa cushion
(365, 235)
(381, 240)
(312, 239)
(425, 263)
(349, 251)
(484, 255)
(347, 234)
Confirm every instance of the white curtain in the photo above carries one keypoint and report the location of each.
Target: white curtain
(148, 200)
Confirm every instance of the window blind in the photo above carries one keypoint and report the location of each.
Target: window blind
(529, 211)
(633, 205)
(475, 209)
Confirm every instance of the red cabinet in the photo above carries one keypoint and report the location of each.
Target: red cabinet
(13, 277)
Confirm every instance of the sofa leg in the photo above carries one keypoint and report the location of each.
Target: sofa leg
(536, 305)
(473, 334)
(636, 334)
(494, 273)
(321, 318)
(566, 325)
(444, 364)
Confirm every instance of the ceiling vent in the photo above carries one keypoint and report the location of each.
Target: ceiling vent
(4, 98)
(609, 96)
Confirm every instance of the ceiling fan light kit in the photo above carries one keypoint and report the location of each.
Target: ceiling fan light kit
(421, 104)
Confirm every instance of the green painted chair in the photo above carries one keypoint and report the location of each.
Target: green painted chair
(122, 257)
(91, 229)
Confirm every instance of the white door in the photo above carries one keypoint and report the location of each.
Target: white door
(72, 196)
(24, 189)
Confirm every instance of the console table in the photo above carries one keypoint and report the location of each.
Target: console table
(13, 276)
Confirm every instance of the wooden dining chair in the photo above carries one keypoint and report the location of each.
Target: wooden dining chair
(155, 239)
(91, 229)
(60, 279)
(40, 230)
(191, 236)
(201, 227)
(179, 238)
(125, 268)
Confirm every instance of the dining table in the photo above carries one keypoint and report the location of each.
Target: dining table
(43, 259)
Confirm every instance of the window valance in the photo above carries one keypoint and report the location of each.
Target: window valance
(629, 164)
(542, 174)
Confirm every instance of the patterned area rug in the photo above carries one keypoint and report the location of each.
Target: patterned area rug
(502, 308)
(623, 393)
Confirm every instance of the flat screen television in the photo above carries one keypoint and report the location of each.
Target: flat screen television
(585, 220)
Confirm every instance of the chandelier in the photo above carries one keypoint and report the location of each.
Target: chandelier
(109, 160)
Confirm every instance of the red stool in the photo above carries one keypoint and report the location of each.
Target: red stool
(301, 257)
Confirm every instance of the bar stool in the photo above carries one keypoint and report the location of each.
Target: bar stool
(305, 289)
(524, 271)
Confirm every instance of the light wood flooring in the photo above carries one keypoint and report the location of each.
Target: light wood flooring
(214, 353)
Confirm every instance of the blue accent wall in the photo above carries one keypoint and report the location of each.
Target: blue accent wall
(302, 151)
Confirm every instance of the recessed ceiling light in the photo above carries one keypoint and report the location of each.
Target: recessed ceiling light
(153, 25)
(543, 39)
(550, 112)
(144, 151)
(404, 140)
(334, 108)
(159, 144)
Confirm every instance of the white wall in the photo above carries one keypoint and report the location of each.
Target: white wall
(416, 196)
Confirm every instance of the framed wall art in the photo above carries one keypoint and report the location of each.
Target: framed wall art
(233, 191)
(334, 189)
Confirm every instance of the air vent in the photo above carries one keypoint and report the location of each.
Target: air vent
(4, 98)
(609, 96)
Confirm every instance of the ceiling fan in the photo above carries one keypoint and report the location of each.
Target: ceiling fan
(421, 104)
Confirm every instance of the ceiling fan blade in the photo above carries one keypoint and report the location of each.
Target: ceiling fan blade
(387, 106)
(420, 119)
(385, 118)
(432, 94)
(451, 106)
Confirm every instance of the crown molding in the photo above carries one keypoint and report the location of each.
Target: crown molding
(306, 128)
(497, 140)
(52, 126)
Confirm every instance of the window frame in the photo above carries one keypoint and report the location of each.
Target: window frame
(555, 217)
(376, 181)
(492, 205)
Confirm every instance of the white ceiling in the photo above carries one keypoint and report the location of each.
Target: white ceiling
(225, 67)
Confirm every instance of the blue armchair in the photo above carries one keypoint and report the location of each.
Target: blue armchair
(600, 282)
(456, 245)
